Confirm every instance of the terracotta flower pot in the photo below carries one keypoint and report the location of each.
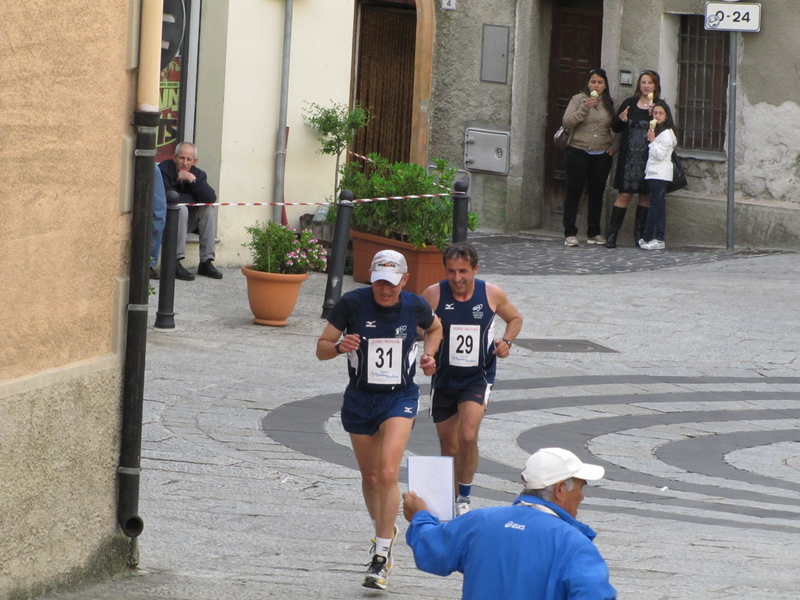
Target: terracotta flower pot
(424, 266)
(272, 296)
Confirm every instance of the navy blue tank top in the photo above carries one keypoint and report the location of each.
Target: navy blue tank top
(466, 354)
(386, 358)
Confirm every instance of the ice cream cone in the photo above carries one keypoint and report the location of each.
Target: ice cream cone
(594, 94)
(653, 124)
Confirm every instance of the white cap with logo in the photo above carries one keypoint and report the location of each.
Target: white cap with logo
(551, 465)
(388, 265)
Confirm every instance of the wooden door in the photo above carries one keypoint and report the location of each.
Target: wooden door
(385, 78)
(575, 50)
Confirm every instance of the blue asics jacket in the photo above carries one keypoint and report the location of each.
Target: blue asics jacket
(513, 552)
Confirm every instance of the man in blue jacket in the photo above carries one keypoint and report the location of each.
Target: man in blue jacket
(535, 549)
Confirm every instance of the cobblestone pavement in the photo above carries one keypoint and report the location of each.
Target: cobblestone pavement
(677, 371)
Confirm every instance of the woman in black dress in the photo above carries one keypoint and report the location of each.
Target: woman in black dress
(632, 119)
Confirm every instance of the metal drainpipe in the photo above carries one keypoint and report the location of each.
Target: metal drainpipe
(146, 119)
(280, 155)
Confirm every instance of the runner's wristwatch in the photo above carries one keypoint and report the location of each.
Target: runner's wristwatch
(508, 342)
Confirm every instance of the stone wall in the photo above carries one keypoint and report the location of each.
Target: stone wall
(768, 109)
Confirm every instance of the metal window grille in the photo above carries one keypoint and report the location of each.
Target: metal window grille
(702, 86)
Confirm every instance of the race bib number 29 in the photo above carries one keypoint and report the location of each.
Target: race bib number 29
(385, 361)
(464, 350)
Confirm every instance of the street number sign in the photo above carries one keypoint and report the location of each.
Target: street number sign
(733, 16)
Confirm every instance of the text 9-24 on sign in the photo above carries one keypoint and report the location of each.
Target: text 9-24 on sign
(730, 16)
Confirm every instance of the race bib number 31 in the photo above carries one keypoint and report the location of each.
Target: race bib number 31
(385, 361)
(464, 340)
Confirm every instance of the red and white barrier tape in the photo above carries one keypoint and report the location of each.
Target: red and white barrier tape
(321, 203)
(309, 203)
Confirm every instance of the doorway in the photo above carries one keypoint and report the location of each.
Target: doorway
(384, 77)
(575, 50)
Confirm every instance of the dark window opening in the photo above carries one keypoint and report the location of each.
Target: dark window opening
(702, 86)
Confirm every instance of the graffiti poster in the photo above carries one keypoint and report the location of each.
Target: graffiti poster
(170, 107)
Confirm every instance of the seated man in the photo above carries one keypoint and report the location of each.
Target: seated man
(535, 549)
(181, 175)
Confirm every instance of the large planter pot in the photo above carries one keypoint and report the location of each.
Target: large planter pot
(424, 266)
(272, 296)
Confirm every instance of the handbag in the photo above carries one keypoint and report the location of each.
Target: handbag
(561, 138)
(678, 175)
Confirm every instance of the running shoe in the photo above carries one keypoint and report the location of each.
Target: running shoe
(462, 506)
(389, 555)
(377, 573)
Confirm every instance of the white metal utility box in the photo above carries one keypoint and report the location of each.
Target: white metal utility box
(486, 150)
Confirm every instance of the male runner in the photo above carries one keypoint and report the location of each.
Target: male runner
(466, 360)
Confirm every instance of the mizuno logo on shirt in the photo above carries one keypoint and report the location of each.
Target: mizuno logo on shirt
(370, 324)
(449, 307)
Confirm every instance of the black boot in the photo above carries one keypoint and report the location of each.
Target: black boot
(617, 217)
(639, 223)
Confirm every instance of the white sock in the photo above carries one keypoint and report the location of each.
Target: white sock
(382, 546)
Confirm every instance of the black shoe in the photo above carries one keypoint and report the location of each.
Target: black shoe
(207, 268)
(154, 274)
(181, 273)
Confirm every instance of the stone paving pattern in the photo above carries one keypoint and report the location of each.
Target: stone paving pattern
(250, 491)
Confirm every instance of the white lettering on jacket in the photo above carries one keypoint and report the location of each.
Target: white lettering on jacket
(513, 525)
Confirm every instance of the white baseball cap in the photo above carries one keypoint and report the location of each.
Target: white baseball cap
(388, 265)
(551, 465)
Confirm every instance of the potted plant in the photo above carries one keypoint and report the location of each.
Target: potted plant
(282, 259)
(337, 126)
(418, 228)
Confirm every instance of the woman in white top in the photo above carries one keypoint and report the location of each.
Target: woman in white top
(658, 174)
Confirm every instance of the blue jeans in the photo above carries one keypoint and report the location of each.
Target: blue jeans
(657, 217)
(159, 215)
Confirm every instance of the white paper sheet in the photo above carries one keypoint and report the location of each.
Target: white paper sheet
(432, 478)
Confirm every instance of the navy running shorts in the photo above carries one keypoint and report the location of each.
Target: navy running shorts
(446, 400)
(363, 412)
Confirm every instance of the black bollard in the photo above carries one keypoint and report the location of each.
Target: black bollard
(460, 212)
(341, 234)
(165, 315)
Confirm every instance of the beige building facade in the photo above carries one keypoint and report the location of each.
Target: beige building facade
(67, 88)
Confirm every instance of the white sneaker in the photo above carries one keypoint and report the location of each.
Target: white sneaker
(657, 245)
(598, 239)
(571, 241)
(377, 573)
(645, 245)
(389, 554)
(462, 506)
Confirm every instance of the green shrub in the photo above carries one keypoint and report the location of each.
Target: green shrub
(420, 222)
(280, 249)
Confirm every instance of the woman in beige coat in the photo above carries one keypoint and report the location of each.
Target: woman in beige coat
(589, 155)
